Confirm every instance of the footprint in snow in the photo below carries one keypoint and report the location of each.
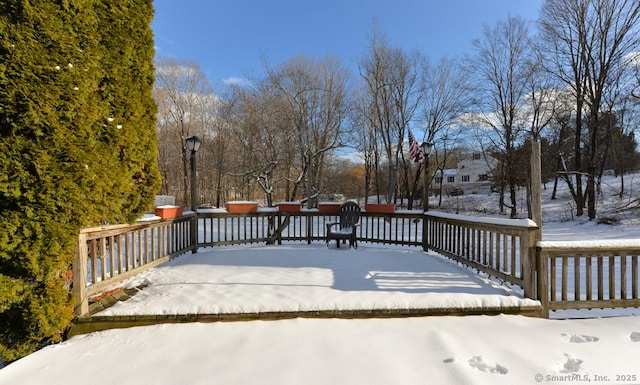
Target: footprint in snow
(579, 339)
(635, 337)
(571, 365)
(479, 363)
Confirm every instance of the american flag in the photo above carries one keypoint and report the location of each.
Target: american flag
(414, 150)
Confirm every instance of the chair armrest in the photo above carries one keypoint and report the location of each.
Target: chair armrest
(330, 225)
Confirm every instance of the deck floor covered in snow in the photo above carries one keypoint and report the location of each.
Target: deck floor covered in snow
(289, 281)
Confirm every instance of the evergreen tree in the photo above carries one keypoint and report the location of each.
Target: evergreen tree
(126, 85)
(77, 148)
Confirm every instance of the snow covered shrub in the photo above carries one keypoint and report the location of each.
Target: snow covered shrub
(77, 147)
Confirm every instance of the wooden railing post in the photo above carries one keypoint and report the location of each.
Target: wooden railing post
(543, 281)
(280, 227)
(528, 260)
(309, 223)
(425, 232)
(80, 277)
(193, 223)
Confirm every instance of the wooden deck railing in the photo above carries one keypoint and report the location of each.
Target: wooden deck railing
(504, 248)
(221, 229)
(218, 229)
(584, 275)
(560, 275)
(109, 254)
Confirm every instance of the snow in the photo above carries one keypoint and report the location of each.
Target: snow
(259, 279)
(431, 350)
(494, 221)
(599, 244)
(503, 349)
(147, 217)
(267, 209)
(210, 210)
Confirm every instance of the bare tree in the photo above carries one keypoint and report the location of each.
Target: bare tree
(217, 150)
(186, 106)
(315, 93)
(624, 154)
(392, 80)
(590, 44)
(503, 76)
(363, 134)
(540, 106)
(445, 96)
(260, 139)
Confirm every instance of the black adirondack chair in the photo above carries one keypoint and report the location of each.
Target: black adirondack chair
(346, 228)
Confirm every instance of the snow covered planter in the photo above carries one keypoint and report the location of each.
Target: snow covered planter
(168, 211)
(241, 206)
(382, 208)
(329, 207)
(289, 207)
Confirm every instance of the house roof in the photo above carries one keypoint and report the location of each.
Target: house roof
(449, 172)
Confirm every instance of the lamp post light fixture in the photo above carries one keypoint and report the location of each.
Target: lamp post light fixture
(193, 145)
(425, 147)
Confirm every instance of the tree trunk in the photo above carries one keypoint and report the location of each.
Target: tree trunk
(579, 197)
(502, 188)
(591, 197)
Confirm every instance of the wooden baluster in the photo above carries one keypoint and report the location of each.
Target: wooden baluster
(589, 277)
(623, 275)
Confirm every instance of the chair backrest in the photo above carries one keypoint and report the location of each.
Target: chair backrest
(349, 214)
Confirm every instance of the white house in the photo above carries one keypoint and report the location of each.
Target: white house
(472, 175)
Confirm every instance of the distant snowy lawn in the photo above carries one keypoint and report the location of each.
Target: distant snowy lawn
(247, 279)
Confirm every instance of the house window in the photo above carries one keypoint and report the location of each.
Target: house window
(476, 156)
(483, 177)
(438, 180)
(465, 178)
(451, 179)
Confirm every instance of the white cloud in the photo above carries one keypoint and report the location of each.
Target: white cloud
(237, 81)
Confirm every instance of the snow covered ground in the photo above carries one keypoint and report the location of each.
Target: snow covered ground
(503, 349)
(433, 350)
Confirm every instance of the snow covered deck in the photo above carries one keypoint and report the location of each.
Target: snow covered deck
(289, 281)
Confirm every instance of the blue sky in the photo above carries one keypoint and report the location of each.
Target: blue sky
(229, 39)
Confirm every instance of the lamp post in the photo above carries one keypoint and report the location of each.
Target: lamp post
(193, 145)
(425, 147)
